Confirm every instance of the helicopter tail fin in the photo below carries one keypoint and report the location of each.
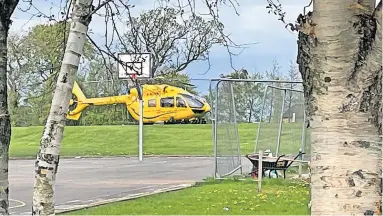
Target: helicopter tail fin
(76, 104)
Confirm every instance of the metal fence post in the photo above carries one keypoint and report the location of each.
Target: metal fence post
(303, 142)
(236, 126)
(212, 118)
(260, 169)
(280, 124)
(215, 130)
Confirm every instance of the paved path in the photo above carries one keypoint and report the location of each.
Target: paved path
(84, 181)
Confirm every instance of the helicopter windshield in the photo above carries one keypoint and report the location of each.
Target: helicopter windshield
(193, 101)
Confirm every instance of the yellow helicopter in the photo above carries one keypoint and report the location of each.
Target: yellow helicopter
(162, 103)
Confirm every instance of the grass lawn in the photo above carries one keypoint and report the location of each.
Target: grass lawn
(228, 197)
(158, 139)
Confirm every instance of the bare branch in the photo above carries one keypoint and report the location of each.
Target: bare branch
(101, 5)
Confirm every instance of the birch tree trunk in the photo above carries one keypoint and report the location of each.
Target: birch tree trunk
(342, 72)
(6, 11)
(48, 156)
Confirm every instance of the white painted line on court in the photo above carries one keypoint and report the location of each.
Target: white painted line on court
(72, 201)
(21, 204)
(160, 162)
(130, 165)
(132, 196)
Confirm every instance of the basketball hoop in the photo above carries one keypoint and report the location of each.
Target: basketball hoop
(134, 66)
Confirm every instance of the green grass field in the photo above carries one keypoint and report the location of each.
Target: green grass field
(228, 197)
(158, 139)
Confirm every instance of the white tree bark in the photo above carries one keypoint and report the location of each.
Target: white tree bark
(341, 70)
(48, 156)
(6, 11)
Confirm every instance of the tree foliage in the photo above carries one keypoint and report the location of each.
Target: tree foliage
(44, 48)
(247, 96)
(177, 79)
(34, 60)
(174, 41)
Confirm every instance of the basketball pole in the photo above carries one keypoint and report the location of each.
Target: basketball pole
(140, 129)
(129, 58)
(140, 121)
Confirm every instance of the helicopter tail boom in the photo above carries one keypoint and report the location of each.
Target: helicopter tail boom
(79, 102)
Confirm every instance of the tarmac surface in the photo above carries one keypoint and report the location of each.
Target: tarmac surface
(85, 182)
(92, 180)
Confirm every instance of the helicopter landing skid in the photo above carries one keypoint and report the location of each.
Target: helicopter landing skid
(186, 121)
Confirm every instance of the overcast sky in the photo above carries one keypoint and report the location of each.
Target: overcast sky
(253, 25)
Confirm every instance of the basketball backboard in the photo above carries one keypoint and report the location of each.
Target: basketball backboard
(134, 63)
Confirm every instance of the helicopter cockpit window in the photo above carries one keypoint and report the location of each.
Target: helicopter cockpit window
(167, 102)
(193, 102)
(152, 103)
(181, 102)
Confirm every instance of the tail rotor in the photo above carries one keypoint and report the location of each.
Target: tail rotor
(73, 103)
(76, 103)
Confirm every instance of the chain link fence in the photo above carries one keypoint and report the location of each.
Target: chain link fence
(253, 115)
(227, 146)
(281, 126)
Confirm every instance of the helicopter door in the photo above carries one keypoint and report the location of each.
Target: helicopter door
(182, 109)
(167, 108)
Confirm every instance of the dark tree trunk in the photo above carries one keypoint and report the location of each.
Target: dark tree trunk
(6, 10)
(5, 123)
(251, 109)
